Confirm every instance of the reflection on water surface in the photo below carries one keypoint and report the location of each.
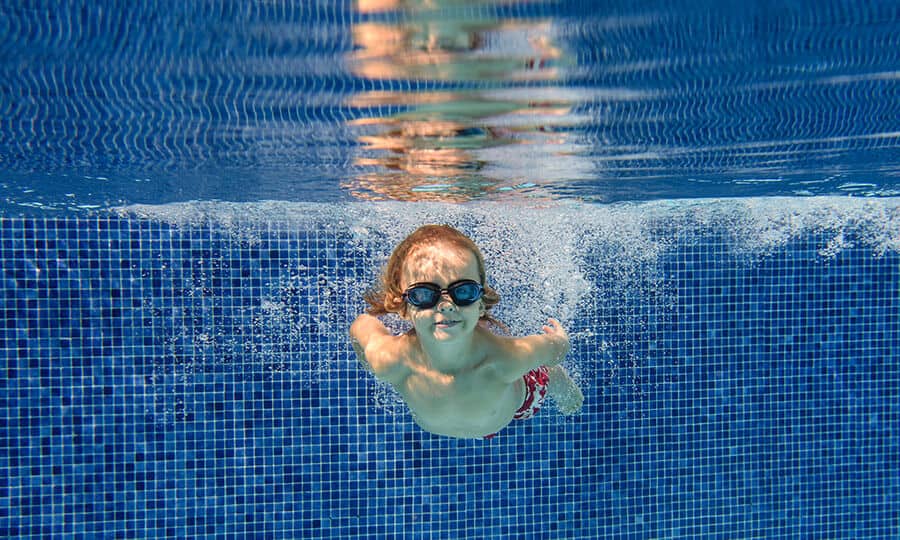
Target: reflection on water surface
(490, 115)
(451, 100)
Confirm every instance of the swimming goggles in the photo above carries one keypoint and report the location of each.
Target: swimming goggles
(427, 295)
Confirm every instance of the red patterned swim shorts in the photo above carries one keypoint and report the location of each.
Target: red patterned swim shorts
(535, 391)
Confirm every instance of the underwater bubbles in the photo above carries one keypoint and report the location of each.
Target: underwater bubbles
(604, 271)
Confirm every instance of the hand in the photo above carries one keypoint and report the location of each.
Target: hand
(558, 337)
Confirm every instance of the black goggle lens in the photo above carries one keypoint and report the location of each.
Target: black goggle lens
(427, 295)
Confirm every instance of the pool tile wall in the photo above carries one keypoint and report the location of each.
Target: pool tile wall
(164, 380)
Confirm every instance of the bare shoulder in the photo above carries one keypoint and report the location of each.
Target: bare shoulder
(383, 354)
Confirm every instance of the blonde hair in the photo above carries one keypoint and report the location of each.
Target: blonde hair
(387, 297)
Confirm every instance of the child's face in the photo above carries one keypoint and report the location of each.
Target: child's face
(442, 264)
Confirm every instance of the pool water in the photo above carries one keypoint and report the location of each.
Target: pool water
(117, 103)
(195, 197)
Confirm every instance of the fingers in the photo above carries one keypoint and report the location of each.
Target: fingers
(554, 327)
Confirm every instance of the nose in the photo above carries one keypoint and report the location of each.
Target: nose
(446, 303)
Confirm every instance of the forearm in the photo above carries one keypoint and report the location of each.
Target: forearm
(552, 350)
(530, 352)
(557, 342)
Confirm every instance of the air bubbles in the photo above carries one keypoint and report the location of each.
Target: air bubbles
(597, 269)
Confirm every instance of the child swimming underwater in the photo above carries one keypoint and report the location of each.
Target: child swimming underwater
(458, 378)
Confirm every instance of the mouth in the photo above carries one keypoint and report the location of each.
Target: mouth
(446, 324)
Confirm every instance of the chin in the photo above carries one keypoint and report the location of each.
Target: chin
(445, 335)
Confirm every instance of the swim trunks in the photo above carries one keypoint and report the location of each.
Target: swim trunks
(535, 391)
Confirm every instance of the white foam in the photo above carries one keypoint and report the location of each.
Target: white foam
(535, 252)
(577, 262)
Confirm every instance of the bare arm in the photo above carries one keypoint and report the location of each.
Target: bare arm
(377, 349)
(518, 356)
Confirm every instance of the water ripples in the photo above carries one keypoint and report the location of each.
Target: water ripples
(445, 101)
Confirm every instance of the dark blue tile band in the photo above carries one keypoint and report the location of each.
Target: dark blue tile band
(164, 380)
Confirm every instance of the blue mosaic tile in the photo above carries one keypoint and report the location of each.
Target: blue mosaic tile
(164, 380)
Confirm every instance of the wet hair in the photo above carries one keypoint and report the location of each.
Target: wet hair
(387, 297)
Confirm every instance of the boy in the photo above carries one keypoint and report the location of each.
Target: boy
(458, 378)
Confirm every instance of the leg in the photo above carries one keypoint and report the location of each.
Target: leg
(565, 392)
